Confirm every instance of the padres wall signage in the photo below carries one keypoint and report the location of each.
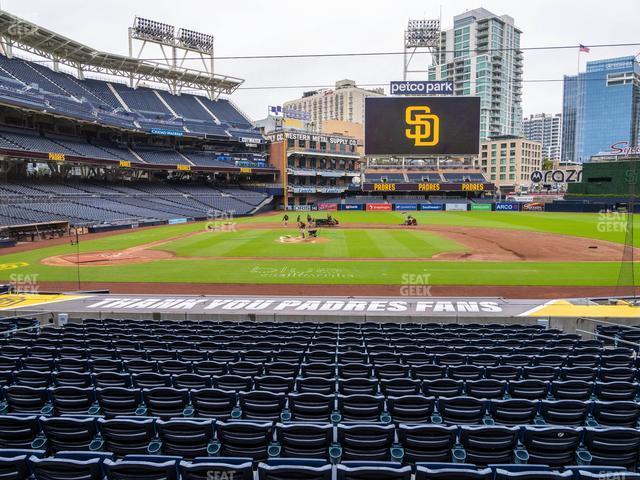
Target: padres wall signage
(422, 125)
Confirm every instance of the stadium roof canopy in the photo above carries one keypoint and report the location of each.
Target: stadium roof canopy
(27, 36)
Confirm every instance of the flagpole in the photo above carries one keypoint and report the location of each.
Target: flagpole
(578, 72)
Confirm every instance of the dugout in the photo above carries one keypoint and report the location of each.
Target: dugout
(33, 232)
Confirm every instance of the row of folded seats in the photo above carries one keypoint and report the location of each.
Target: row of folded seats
(309, 325)
(615, 384)
(320, 333)
(167, 403)
(585, 357)
(555, 446)
(40, 371)
(27, 465)
(275, 341)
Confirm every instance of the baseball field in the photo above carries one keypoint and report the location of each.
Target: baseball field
(369, 252)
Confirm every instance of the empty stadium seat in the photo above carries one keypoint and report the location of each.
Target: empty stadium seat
(303, 470)
(141, 469)
(613, 446)
(372, 471)
(366, 442)
(124, 436)
(65, 433)
(461, 410)
(554, 446)
(207, 468)
(243, 439)
(444, 472)
(427, 443)
(302, 440)
(311, 407)
(483, 445)
(54, 468)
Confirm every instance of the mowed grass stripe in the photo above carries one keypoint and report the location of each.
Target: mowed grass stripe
(359, 272)
(333, 243)
(364, 244)
(252, 241)
(422, 244)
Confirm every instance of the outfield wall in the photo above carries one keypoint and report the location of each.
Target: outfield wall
(575, 206)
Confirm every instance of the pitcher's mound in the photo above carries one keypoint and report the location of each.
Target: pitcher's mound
(298, 239)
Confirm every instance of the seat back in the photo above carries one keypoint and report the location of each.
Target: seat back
(461, 410)
(18, 432)
(64, 468)
(208, 468)
(188, 438)
(304, 440)
(489, 445)
(115, 401)
(140, 470)
(554, 446)
(261, 405)
(244, 439)
(213, 403)
(64, 433)
(613, 446)
(366, 442)
(513, 411)
(311, 407)
(127, 436)
(427, 443)
(564, 412)
(411, 408)
(165, 402)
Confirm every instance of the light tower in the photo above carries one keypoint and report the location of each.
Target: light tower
(420, 35)
(174, 47)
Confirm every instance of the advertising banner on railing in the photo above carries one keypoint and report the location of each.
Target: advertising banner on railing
(405, 206)
(328, 206)
(481, 206)
(432, 206)
(352, 206)
(455, 207)
(533, 207)
(375, 207)
(507, 207)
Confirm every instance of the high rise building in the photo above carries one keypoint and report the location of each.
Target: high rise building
(481, 55)
(547, 130)
(601, 107)
(509, 162)
(344, 103)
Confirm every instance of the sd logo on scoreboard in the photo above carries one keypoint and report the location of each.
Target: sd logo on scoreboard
(422, 126)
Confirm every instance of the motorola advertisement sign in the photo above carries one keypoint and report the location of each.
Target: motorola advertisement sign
(422, 126)
(568, 175)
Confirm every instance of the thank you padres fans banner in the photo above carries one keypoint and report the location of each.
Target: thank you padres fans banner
(422, 125)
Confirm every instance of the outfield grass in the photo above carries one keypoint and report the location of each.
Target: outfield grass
(590, 225)
(333, 243)
(354, 243)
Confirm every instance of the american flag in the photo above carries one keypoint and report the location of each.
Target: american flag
(584, 49)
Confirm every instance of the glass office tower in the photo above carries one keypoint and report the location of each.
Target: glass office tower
(601, 107)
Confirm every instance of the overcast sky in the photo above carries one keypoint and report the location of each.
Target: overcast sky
(257, 27)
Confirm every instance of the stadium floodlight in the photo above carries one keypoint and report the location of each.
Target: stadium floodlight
(422, 33)
(146, 29)
(190, 39)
